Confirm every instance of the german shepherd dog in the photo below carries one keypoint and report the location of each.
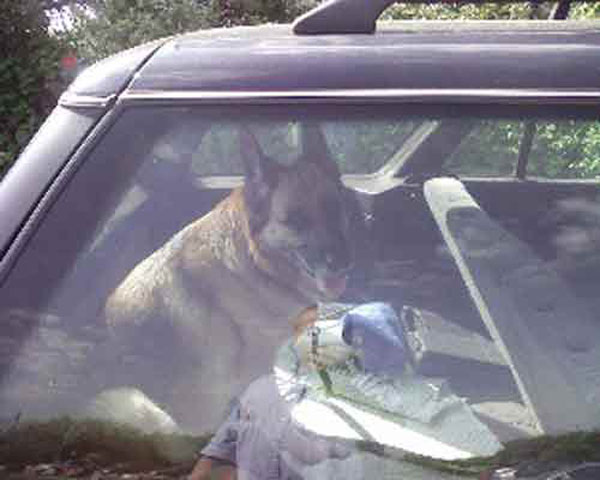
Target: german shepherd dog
(202, 316)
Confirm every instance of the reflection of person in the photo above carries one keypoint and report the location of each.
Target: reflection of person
(365, 388)
(209, 468)
(260, 437)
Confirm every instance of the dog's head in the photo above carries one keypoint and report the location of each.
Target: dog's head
(299, 213)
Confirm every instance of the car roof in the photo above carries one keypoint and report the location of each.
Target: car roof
(561, 56)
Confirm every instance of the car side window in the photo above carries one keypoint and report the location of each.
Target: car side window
(363, 147)
(491, 149)
(152, 280)
(218, 153)
(560, 149)
(358, 147)
(565, 149)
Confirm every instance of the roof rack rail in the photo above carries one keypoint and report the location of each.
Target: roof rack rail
(359, 16)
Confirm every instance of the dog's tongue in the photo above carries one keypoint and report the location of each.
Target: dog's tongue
(335, 284)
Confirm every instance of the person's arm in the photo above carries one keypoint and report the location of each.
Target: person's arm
(202, 469)
(207, 468)
(217, 459)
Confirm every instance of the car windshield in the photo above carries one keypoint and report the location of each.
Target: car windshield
(385, 282)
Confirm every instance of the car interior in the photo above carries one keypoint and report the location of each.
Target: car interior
(414, 250)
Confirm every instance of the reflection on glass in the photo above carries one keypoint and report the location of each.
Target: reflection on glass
(160, 293)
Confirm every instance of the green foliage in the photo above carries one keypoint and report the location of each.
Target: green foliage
(566, 150)
(583, 10)
(104, 27)
(29, 74)
(109, 443)
(561, 149)
(365, 146)
(456, 11)
(251, 12)
(490, 11)
(490, 149)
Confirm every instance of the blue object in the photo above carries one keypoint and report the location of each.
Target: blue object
(375, 331)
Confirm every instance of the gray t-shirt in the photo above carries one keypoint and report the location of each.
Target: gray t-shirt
(263, 442)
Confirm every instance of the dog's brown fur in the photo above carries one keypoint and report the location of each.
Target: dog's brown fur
(217, 299)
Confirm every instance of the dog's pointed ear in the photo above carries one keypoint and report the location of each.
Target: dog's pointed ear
(316, 150)
(259, 170)
(261, 174)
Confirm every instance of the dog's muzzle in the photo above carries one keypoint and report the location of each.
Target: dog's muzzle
(329, 271)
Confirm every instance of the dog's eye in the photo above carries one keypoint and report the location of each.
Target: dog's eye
(297, 219)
